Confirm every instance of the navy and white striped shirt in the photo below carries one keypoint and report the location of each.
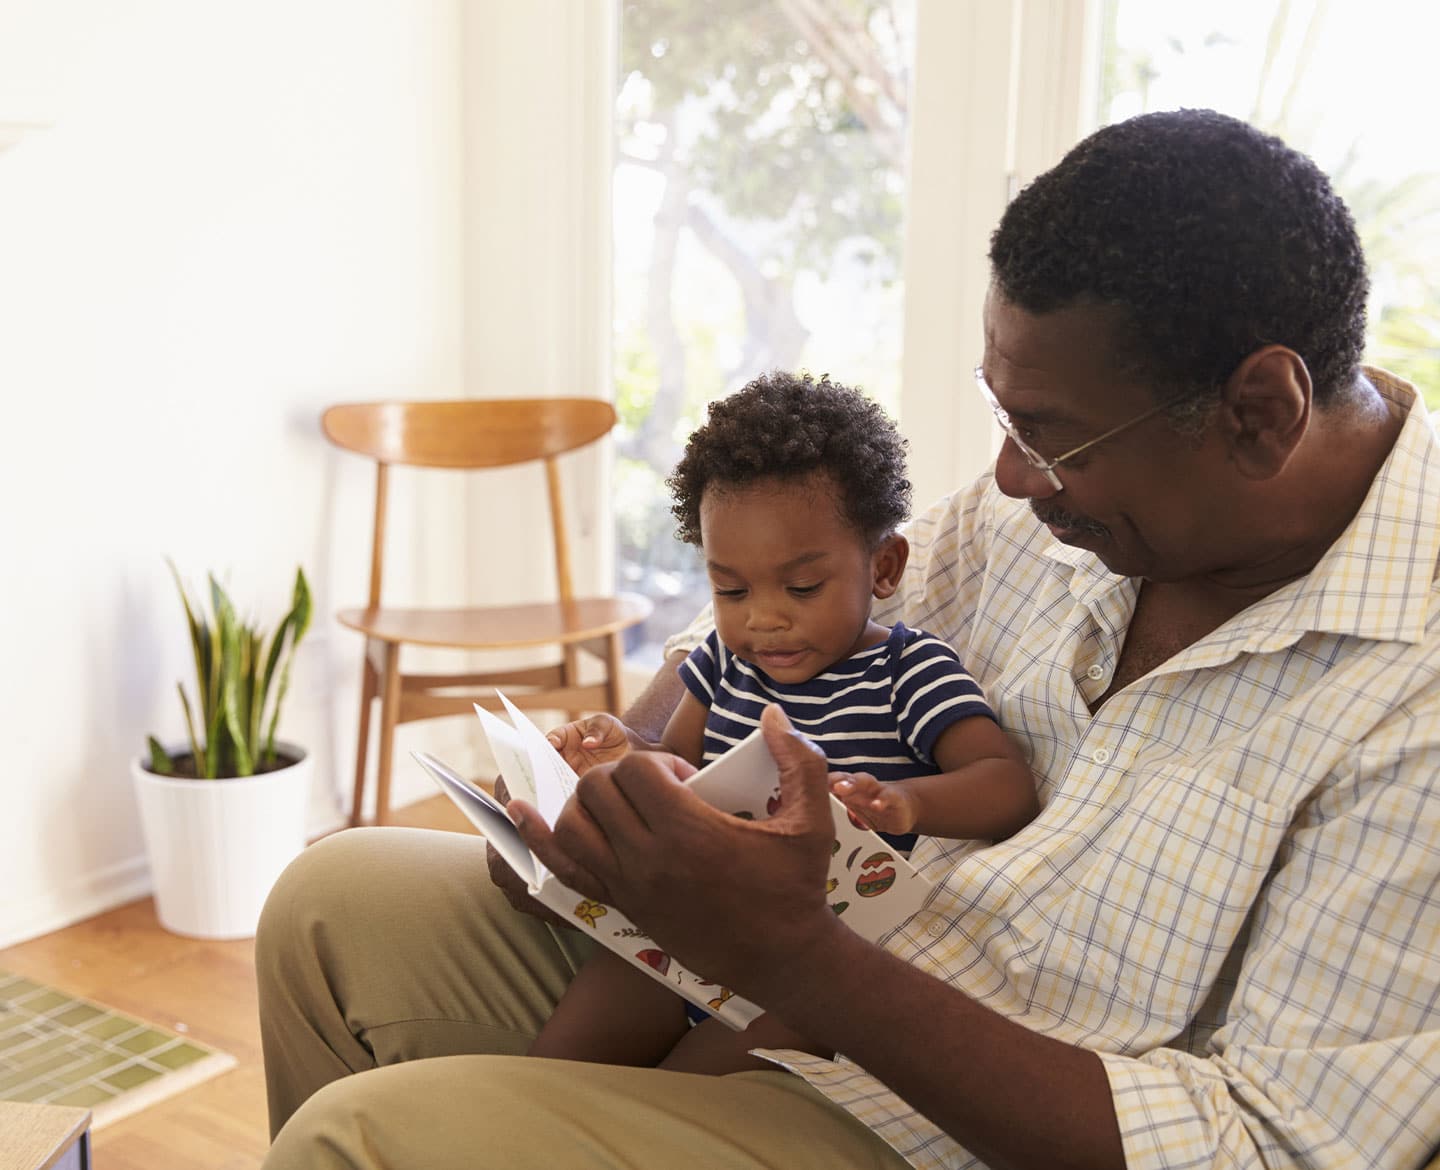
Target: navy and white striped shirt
(879, 711)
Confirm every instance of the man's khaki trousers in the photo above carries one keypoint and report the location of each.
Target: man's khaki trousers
(398, 992)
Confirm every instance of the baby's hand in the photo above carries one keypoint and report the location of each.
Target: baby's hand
(596, 739)
(890, 808)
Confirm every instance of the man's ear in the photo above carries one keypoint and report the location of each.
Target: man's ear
(1265, 410)
(887, 564)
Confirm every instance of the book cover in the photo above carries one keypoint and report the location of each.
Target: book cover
(870, 885)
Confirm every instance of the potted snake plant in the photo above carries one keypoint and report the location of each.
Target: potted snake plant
(225, 811)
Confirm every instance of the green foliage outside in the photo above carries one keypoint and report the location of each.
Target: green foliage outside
(1398, 221)
(776, 132)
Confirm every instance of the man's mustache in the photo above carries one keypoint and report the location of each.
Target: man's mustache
(1049, 514)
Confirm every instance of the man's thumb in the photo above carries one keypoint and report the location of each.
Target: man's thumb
(804, 775)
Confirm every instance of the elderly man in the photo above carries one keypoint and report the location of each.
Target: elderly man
(1199, 585)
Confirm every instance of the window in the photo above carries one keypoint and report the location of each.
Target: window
(758, 194)
(1343, 83)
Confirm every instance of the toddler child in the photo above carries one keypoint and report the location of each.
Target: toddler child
(793, 490)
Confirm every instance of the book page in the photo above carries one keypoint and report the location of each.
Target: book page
(871, 886)
(511, 757)
(743, 779)
(553, 778)
(487, 815)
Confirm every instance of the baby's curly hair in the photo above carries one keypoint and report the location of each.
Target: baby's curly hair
(787, 426)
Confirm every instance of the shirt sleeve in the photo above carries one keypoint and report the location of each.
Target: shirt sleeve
(700, 672)
(932, 691)
(1330, 1049)
(692, 635)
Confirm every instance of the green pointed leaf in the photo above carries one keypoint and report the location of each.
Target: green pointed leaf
(234, 754)
(195, 753)
(160, 762)
(190, 618)
(297, 621)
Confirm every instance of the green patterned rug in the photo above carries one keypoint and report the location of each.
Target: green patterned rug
(60, 1050)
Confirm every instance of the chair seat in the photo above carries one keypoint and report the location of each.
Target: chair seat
(501, 626)
(586, 634)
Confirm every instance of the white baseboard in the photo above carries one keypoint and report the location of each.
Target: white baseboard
(458, 742)
(101, 890)
(90, 894)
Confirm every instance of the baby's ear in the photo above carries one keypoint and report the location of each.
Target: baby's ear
(887, 564)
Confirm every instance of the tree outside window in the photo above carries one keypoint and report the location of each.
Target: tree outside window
(1342, 82)
(759, 191)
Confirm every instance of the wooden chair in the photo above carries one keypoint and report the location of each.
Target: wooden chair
(476, 434)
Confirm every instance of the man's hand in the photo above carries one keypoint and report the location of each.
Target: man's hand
(589, 742)
(509, 882)
(736, 901)
(889, 808)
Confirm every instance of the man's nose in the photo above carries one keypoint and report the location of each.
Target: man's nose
(1017, 477)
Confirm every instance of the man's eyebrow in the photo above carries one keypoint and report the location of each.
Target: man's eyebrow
(1038, 416)
(1045, 415)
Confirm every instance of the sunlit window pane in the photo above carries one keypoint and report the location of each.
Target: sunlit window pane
(759, 188)
(1347, 84)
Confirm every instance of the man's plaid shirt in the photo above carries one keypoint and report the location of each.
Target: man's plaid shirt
(1233, 891)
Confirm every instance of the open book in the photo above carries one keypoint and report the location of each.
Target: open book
(871, 886)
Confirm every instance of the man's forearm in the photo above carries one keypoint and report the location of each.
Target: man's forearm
(652, 708)
(1011, 1096)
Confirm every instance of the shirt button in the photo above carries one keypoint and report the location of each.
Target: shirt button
(935, 929)
(1097, 672)
(1100, 756)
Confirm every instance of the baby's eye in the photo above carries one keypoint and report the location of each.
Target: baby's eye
(804, 590)
(729, 594)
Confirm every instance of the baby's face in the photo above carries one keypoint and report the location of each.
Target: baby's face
(792, 580)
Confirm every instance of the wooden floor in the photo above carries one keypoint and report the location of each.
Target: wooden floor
(123, 959)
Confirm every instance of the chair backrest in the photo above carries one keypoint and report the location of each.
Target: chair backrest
(470, 433)
(475, 432)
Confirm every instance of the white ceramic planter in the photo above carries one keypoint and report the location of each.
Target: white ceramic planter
(217, 846)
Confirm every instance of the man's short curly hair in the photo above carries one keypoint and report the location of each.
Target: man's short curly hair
(1211, 238)
(787, 426)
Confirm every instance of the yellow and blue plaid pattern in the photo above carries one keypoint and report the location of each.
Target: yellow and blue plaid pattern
(1233, 891)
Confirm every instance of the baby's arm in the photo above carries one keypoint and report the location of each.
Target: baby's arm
(984, 790)
(598, 739)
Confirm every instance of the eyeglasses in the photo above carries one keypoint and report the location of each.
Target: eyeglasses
(1047, 466)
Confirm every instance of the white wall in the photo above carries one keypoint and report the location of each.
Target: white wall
(241, 213)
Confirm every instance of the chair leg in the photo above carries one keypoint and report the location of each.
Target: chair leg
(389, 716)
(615, 672)
(570, 674)
(368, 688)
